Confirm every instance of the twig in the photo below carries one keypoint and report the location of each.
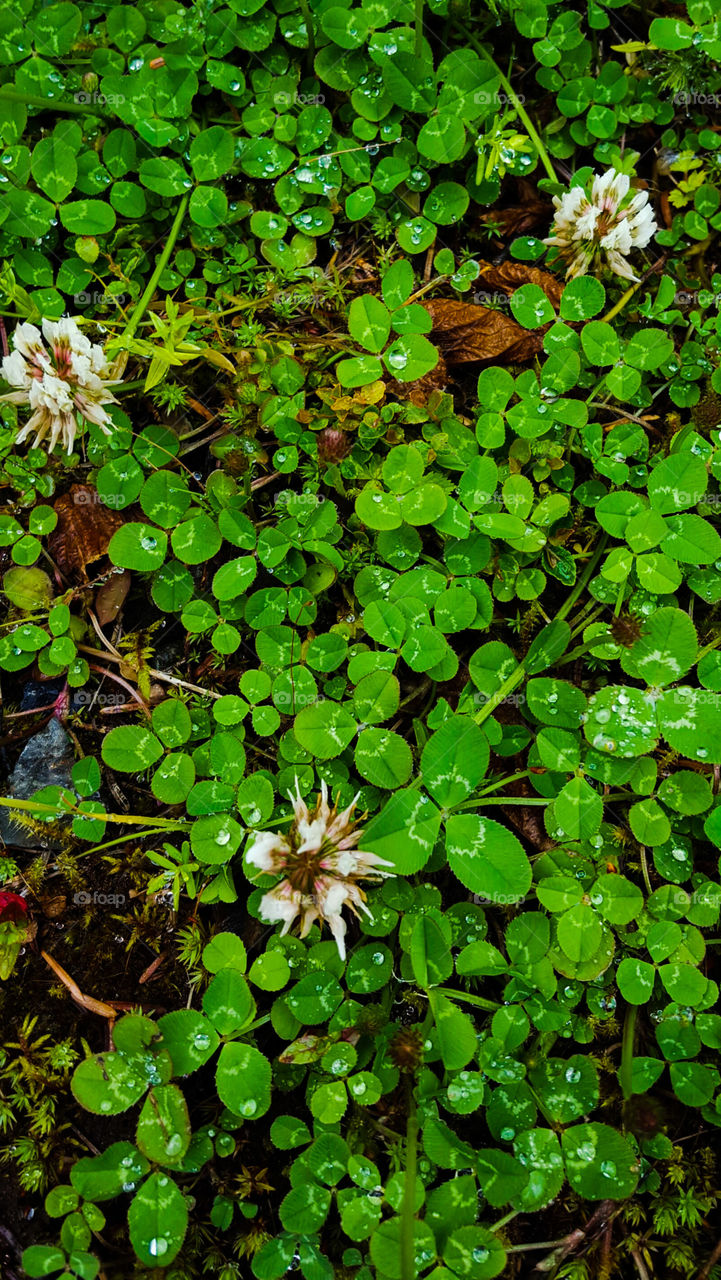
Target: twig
(86, 1002)
(576, 1237)
(157, 675)
(640, 1265)
(110, 675)
(705, 1271)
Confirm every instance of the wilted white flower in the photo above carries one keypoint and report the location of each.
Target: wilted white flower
(602, 227)
(320, 865)
(63, 382)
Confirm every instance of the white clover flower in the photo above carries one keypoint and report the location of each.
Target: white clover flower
(320, 865)
(63, 382)
(602, 228)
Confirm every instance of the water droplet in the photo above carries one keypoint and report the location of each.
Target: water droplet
(508, 1134)
(157, 1247)
(480, 1254)
(573, 1075)
(223, 837)
(397, 359)
(249, 1107)
(608, 1169)
(148, 543)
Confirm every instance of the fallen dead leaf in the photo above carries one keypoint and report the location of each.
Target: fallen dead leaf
(465, 332)
(509, 276)
(84, 529)
(53, 905)
(110, 597)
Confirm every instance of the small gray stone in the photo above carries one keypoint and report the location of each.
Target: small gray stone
(45, 761)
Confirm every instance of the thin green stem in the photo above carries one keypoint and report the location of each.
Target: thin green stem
(418, 19)
(580, 586)
(9, 94)
(466, 998)
(629, 1036)
(160, 266)
(503, 782)
(517, 105)
(34, 806)
(108, 844)
(644, 869)
(503, 1222)
(625, 297)
(606, 637)
(408, 1267)
(309, 29)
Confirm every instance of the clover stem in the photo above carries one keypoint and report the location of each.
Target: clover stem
(502, 1222)
(418, 44)
(517, 105)
(408, 1271)
(309, 29)
(466, 998)
(583, 580)
(9, 94)
(644, 868)
(160, 266)
(627, 1043)
(606, 637)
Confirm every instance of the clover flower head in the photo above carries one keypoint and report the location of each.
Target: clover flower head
(603, 226)
(320, 865)
(62, 382)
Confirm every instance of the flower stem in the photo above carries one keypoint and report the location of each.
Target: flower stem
(625, 297)
(160, 266)
(517, 105)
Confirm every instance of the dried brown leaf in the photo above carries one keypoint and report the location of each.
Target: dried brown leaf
(83, 532)
(509, 276)
(465, 332)
(110, 597)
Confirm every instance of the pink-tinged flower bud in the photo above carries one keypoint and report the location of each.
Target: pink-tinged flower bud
(332, 444)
